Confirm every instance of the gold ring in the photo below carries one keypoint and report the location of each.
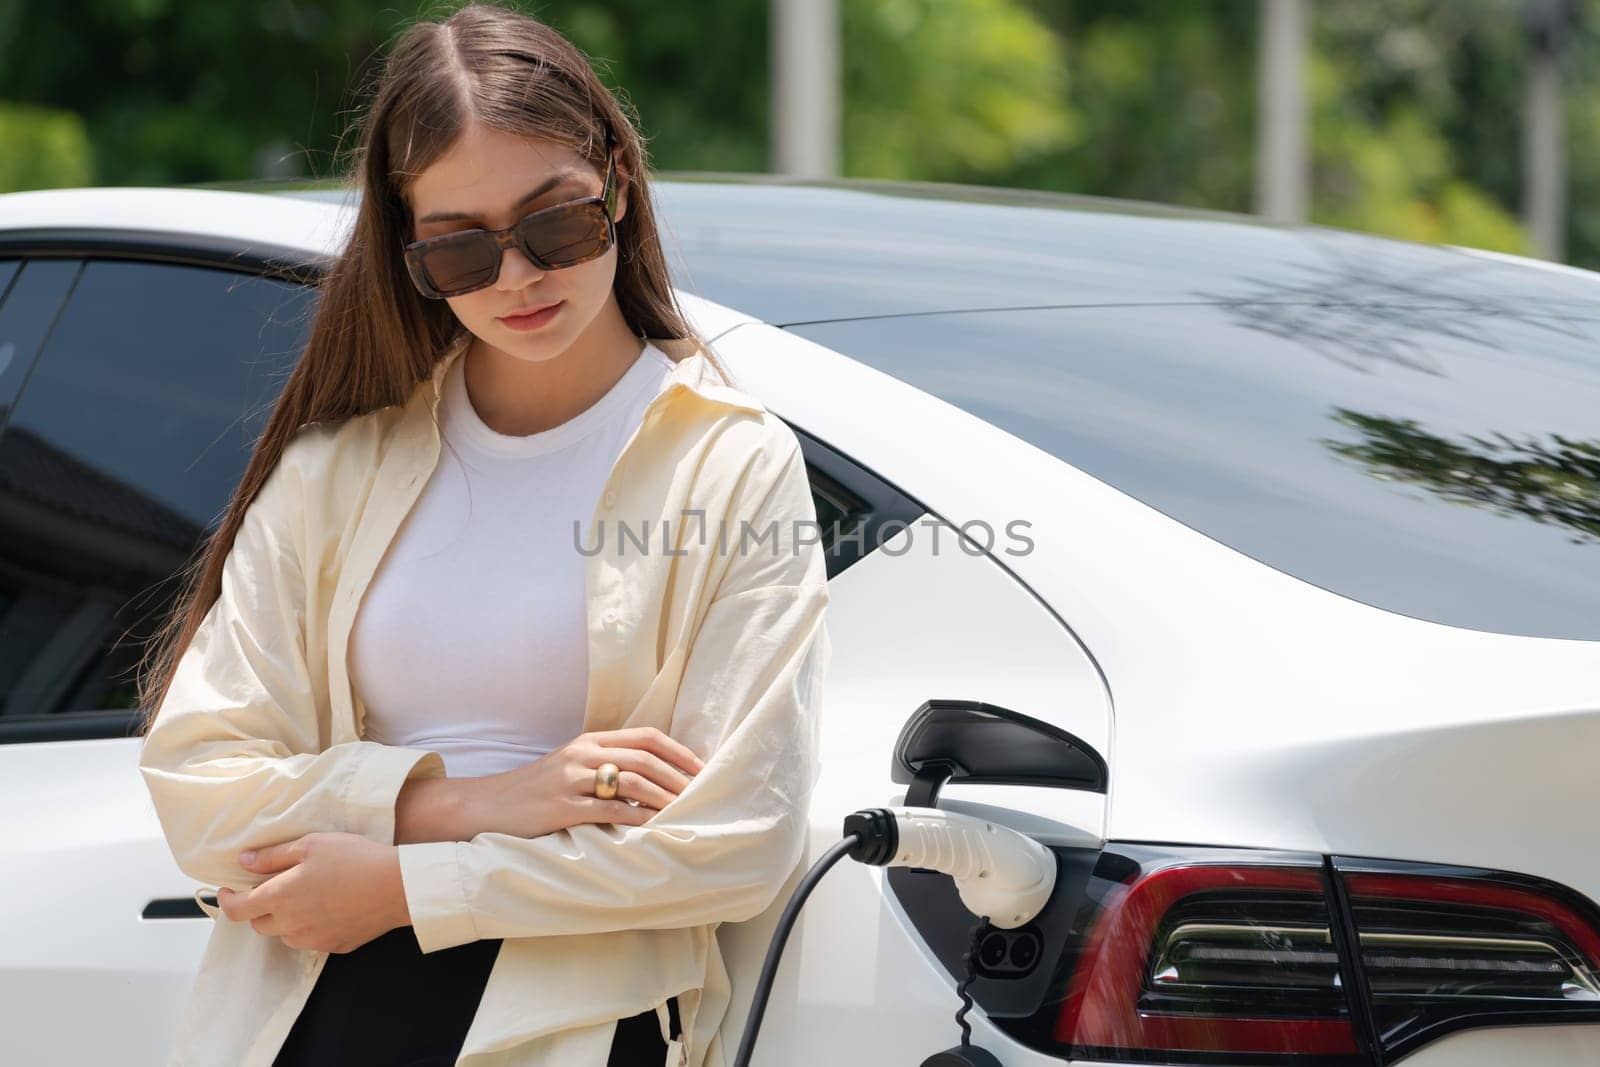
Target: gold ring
(605, 781)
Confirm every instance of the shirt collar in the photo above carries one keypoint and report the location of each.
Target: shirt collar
(691, 371)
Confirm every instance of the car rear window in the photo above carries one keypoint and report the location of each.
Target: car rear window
(1426, 450)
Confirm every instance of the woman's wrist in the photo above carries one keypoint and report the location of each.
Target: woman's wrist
(434, 809)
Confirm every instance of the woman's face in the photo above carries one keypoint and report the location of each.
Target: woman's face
(485, 180)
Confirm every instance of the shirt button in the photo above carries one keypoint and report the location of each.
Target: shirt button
(611, 618)
(610, 499)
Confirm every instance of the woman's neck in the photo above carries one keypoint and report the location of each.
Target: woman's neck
(517, 396)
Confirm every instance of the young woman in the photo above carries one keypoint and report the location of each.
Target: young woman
(496, 689)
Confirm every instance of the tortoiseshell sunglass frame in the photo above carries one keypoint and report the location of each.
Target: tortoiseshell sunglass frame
(604, 206)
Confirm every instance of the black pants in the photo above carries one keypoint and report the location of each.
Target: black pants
(388, 1004)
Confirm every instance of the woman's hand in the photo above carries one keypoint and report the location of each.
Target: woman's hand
(329, 891)
(556, 790)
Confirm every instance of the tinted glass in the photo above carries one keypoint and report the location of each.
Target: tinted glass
(29, 299)
(123, 449)
(1439, 458)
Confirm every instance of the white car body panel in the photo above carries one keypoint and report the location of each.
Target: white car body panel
(84, 979)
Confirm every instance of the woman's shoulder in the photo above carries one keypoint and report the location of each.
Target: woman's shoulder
(754, 466)
(334, 447)
(764, 440)
(746, 425)
(325, 467)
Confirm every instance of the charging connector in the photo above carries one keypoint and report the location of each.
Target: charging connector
(1000, 874)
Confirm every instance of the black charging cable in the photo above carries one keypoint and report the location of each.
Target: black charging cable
(780, 936)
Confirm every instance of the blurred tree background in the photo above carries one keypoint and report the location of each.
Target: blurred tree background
(1415, 104)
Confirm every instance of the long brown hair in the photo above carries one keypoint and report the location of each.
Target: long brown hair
(374, 338)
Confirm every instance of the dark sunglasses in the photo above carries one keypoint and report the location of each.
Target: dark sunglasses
(564, 235)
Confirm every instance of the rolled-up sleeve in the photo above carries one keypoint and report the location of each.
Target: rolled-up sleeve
(234, 758)
(720, 850)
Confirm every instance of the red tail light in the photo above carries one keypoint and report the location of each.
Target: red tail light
(1167, 954)
(1211, 959)
(1445, 951)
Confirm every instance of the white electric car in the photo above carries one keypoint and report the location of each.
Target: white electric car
(1254, 570)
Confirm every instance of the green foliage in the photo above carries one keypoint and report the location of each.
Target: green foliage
(1395, 174)
(186, 90)
(949, 90)
(42, 148)
(1165, 95)
(695, 74)
(1583, 141)
(1392, 104)
(1416, 104)
(935, 89)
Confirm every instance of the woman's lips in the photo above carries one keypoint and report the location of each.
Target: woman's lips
(533, 320)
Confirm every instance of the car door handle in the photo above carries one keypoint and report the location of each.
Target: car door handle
(176, 908)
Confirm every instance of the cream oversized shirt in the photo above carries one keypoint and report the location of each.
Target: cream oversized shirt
(706, 609)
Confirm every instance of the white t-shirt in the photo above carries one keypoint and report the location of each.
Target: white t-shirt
(486, 570)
